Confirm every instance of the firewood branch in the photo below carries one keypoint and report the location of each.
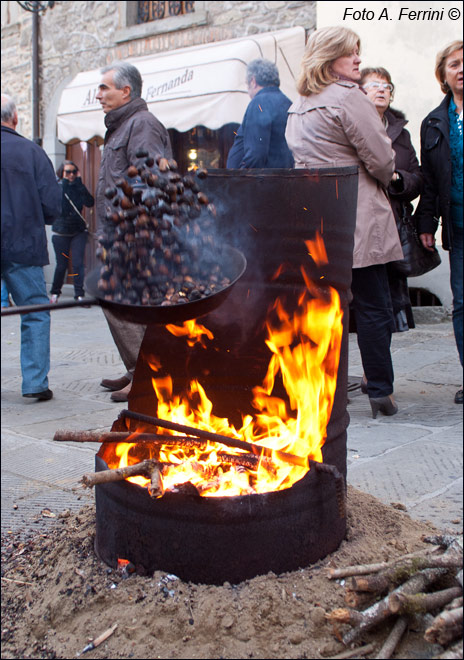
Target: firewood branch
(380, 611)
(401, 571)
(445, 627)
(144, 469)
(420, 602)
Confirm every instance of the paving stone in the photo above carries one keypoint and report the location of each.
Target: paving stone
(409, 473)
(368, 440)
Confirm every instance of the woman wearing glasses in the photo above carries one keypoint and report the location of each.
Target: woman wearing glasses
(70, 230)
(406, 183)
(334, 123)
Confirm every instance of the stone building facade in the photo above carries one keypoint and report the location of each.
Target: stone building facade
(80, 36)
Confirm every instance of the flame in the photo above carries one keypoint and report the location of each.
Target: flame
(192, 330)
(304, 350)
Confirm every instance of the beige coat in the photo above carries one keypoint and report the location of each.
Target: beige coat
(340, 127)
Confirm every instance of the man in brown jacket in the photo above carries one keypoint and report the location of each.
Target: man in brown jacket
(130, 127)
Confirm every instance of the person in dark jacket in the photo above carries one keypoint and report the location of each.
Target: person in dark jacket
(31, 198)
(442, 158)
(70, 230)
(406, 182)
(260, 140)
(131, 127)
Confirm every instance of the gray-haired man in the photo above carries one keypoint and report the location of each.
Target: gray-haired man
(260, 140)
(130, 127)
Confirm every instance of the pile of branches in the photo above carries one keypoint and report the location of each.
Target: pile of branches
(408, 588)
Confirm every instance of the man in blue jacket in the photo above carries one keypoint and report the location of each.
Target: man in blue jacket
(31, 198)
(260, 140)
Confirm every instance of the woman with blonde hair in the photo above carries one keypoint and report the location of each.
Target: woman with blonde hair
(441, 156)
(333, 123)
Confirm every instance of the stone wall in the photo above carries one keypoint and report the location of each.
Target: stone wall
(79, 36)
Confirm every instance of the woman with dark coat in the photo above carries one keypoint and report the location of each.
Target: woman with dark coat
(406, 183)
(70, 230)
(442, 158)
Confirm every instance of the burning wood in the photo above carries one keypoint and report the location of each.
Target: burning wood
(304, 350)
(217, 438)
(145, 469)
(129, 438)
(250, 461)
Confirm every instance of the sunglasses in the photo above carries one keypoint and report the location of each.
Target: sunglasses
(69, 171)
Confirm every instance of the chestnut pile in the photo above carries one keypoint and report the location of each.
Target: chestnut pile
(158, 245)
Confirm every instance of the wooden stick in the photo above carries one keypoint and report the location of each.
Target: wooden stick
(30, 584)
(145, 468)
(217, 438)
(393, 639)
(364, 569)
(444, 540)
(358, 599)
(420, 602)
(132, 438)
(380, 611)
(250, 461)
(355, 653)
(457, 602)
(401, 571)
(445, 627)
(99, 640)
(155, 487)
(343, 615)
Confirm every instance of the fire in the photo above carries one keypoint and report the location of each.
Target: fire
(304, 350)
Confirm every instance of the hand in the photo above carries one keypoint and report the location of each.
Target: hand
(428, 241)
(163, 164)
(395, 177)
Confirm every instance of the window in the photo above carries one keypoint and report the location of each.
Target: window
(202, 147)
(139, 20)
(155, 11)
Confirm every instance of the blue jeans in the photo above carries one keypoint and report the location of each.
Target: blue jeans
(27, 287)
(456, 264)
(5, 299)
(63, 245)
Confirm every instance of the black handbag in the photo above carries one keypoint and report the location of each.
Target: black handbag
(417, 260)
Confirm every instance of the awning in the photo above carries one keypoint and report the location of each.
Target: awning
(202, 85)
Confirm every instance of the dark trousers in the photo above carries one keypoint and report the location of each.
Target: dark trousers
(63, 245)
(373, 311)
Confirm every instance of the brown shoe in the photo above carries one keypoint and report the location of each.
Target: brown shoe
(122, 395)
(115, 385)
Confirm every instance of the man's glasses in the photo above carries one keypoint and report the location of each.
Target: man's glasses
(378, 85)
(69, 171)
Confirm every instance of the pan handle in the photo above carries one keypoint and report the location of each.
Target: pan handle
(28, 309)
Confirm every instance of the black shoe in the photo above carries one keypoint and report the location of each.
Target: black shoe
(384, 404)
(46, 395)
(458, 397)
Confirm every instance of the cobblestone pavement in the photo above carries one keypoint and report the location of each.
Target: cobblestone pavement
(413, 458)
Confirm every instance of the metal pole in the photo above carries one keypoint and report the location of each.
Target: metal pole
(35, 75)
